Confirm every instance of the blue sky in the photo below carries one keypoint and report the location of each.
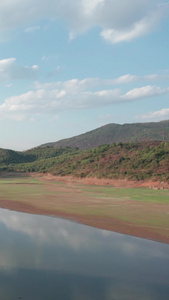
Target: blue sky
(70, 66)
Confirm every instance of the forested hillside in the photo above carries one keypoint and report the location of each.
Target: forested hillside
(115, 133)
(133, 161)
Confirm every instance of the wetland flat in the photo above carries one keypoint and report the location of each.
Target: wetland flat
(141, 212)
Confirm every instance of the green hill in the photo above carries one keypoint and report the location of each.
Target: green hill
(10, 160)
(115, 133)
(133, 161)
(131, 151)
(9, 156)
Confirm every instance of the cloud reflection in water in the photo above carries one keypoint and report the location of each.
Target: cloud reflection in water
(90, 263)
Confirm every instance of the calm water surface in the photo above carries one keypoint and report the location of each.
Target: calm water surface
(49, 258)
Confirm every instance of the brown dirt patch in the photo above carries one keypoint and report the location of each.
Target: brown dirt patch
(103, 181)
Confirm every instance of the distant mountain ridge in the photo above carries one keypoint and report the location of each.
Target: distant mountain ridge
(115, 133)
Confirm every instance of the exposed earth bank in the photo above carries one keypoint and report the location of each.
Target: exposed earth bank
(154, 184)
(104, 181)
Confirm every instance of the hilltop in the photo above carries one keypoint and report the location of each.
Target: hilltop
(115, 133)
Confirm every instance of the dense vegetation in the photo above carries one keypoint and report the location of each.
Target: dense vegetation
(114, 133)
(134, 161)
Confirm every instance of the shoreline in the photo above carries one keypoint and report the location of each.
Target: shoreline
(103, 223)
(97, 221)
(150, 183)
(147, 183)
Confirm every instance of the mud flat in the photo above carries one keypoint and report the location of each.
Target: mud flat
(131, 208)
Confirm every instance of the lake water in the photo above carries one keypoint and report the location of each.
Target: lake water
(46, 258)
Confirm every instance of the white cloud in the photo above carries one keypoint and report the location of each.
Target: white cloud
(140, 28)
(9, 70)
(144, 92)
(116, 36)
(89, 6)
(89, 83)
(118, 20)
(160, 115)
(50, 98)
(73, 84)
(133, 78)
(126, 79)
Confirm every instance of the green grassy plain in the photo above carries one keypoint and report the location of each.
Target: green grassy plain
(142, 212)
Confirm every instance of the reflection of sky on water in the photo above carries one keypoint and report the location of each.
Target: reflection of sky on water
(72, 261)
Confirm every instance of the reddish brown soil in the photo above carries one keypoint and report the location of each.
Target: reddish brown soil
(104, 181)
(90, 180)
